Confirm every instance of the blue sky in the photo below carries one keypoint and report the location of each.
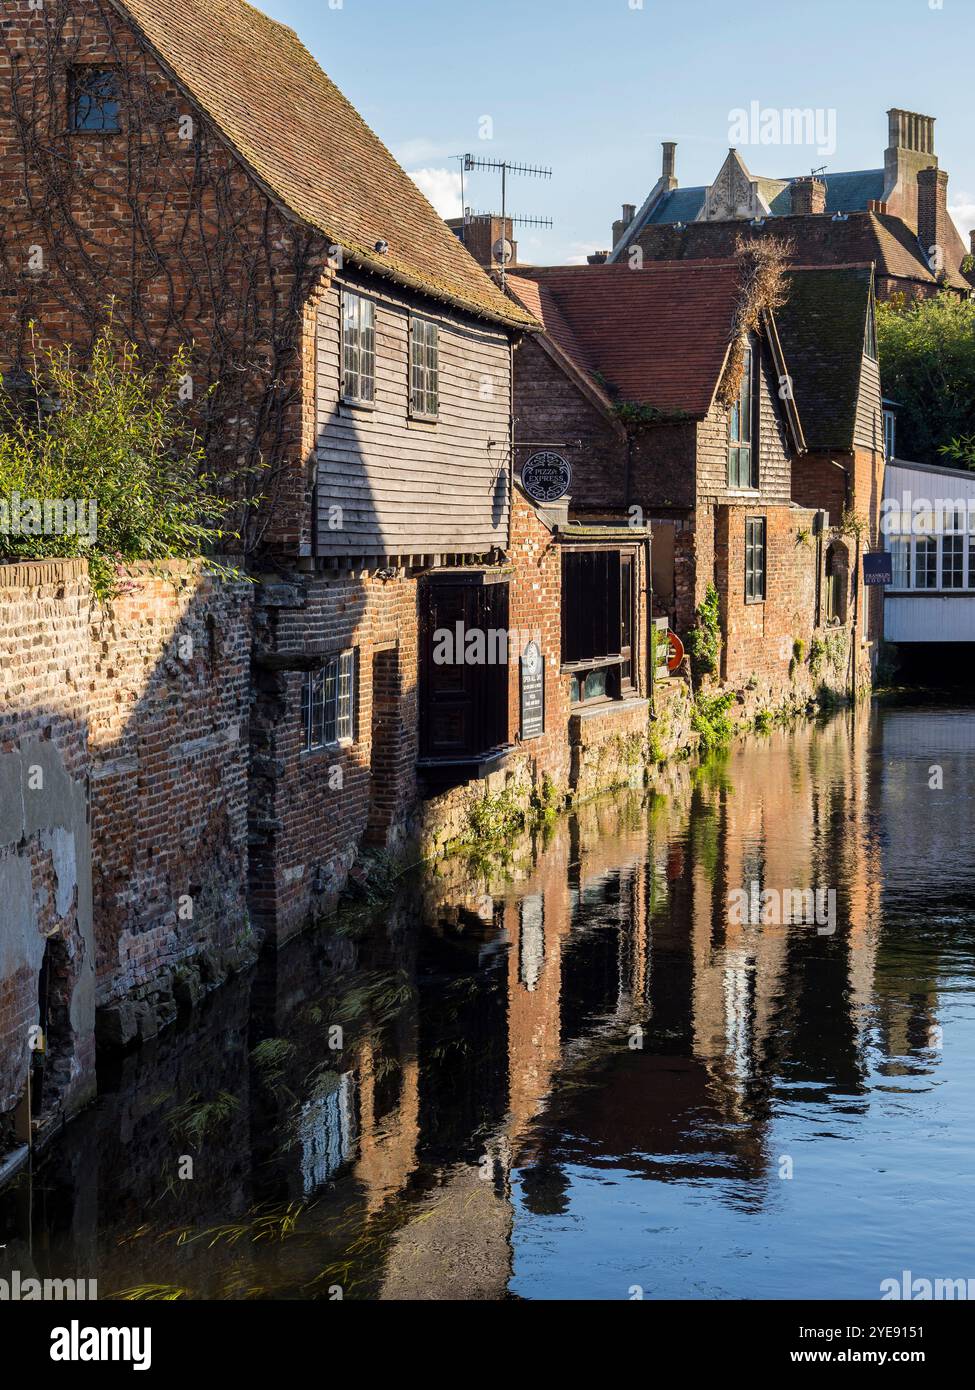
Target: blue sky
(591, 88)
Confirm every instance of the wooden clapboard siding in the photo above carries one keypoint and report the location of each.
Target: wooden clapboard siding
(868, 432)
(410, 486)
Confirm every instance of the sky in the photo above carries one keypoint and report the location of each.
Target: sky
(589, 88)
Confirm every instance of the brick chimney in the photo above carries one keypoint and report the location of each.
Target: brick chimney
(910, 148)
(808, 195)
(481, 234)
(932, 216)
(597, 258)
(878, 206)
(620, 226)
(668, 172)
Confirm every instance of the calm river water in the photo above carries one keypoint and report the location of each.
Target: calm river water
(584, 1073)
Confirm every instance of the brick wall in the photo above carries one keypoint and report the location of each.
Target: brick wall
(172, 230)
(310, 809)
(45, 850)
(123, 763)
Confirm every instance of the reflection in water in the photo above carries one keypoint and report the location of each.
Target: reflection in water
(579, 1072)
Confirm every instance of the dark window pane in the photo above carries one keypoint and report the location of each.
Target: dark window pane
(94, 99)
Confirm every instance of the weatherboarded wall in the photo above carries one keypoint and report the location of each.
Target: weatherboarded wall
(388, 484)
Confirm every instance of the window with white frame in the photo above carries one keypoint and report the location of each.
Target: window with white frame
(952, 561)
(328, 698)
(900, 557)
(424, 369)
(358, 348)
(890, 433)
(925, 562)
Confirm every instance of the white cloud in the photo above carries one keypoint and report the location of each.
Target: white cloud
(580, 250)
(963, 211)
(442, 187)
(419, 151)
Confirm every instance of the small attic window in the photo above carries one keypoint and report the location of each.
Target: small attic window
(870, 337)
(93, 99)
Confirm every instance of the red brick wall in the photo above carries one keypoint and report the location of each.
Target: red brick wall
(759, 636)
(167, 711)
(123, 814)
(309, 810)
(174, 231)
(550, 409)
(45, 881)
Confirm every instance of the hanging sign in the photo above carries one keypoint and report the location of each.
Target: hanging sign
(878, 568)
(546, 476)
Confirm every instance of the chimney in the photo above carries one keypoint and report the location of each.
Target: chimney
(910, 148)
(808, 195)
(971, 237)
(668, 172)
(932, 217)
(620, 226)
(878, 206)
(598, 258)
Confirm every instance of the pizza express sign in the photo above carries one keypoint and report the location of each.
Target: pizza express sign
(546, 476)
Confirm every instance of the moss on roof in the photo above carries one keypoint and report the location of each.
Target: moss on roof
(310, 148)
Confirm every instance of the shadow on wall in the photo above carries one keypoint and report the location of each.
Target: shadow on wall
(123, 816)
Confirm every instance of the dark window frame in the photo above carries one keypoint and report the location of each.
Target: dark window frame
(83, 104)
(424, 367)
(357, 361)
(756, 559)
(610, 625)
(743, 425)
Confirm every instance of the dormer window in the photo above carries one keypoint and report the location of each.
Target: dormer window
(742, 455)
(93, 99)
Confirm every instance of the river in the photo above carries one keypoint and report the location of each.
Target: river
(615, 1062)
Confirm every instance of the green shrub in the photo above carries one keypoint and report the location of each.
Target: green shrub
(114, 437)
(709, 719)
(704, 640)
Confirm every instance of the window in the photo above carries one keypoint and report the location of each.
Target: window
(597, 623)
(424, 374)
(890, 433)
(900, 551)
(93, 99)
(971, 562)
(926, 563)
(358, 348)
(870, 334)
(754, 559)
(952, 562)
(742, 456)
(837, 582)
(328, 697)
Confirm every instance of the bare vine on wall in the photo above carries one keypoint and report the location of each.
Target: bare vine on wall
(161, 226)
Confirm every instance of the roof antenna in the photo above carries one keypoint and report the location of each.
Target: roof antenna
(470, 164)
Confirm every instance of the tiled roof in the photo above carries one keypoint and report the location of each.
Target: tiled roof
(822, 327)
(864, 237)
(847, 192)
(309, 147)
(656, 337)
